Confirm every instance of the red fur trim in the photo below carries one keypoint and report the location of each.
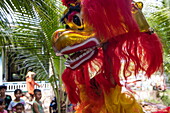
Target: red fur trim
(94, 87)
(152, 53)
(68, 78)
(141, 51)
(109, 18)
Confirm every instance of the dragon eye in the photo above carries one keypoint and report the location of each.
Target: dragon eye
(76, 20)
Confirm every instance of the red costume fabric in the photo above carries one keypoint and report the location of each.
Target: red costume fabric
(102, 39)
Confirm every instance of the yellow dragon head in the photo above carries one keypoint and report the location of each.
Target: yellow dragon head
(79, 40)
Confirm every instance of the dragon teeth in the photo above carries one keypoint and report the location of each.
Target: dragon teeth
(86, 51)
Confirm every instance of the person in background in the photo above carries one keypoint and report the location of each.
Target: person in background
(53, 106)
(30, 84)
(13, 103)
(7, 98)
(2, 106)
(37, 104)
(19, 108)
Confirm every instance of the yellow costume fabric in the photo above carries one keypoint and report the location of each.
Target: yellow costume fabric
(115, 102)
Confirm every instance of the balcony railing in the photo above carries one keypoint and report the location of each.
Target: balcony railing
(12, 86)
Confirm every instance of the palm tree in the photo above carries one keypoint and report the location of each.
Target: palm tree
(160, 21)
(26, 30)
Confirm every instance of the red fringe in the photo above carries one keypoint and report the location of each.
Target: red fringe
(68, 78)
(152, 53)
(145, 52)
(109, 18)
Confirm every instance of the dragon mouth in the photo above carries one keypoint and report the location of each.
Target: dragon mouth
(77, 54)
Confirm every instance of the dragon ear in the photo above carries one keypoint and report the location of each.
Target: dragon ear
(140, 5)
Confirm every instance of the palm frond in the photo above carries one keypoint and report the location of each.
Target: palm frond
(160, 21)
(29, 31)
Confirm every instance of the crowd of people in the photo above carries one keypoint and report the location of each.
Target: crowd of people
(18, 105)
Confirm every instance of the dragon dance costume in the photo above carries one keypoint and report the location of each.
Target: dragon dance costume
(103, 38)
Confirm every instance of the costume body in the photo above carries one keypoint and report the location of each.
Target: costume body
(103, 38)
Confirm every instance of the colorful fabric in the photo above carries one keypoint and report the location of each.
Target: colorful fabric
(114, 102)
(13, 103)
